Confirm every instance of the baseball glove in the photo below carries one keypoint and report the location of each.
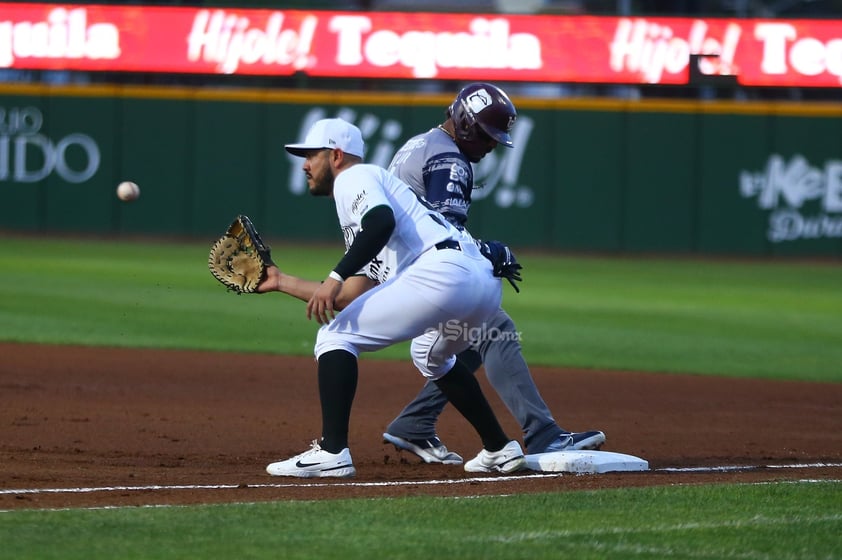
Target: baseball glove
(239, 258)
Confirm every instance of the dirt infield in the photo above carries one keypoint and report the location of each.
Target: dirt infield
(101, 426)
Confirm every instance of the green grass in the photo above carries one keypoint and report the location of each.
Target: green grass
(758, 319)
(769, 521)
(141, 295)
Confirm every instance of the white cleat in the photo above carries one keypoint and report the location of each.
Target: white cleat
(577, 441)
(430, 450)
(507, 460)
(315, 463)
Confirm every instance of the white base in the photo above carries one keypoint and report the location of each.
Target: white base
(585, 462)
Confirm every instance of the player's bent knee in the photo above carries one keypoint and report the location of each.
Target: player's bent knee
(327, 341)
(430, 365)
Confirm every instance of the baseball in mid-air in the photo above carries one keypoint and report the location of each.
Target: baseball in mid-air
(128, 191)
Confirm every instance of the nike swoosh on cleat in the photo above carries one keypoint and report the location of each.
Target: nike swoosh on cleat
(301, 465)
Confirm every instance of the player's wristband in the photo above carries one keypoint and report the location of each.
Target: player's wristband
(336, 276)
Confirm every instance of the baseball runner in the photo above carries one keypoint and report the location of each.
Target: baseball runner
(437, 166)
(413, 260)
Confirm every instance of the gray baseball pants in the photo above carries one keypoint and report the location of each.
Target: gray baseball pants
(500, 351)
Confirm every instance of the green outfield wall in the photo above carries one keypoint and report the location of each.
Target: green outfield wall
(729, 178)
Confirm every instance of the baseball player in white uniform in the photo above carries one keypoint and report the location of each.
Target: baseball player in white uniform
(406, 273)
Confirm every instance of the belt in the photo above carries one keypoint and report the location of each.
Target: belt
(449, 244)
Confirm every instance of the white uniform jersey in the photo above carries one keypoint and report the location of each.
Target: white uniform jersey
(362, 187)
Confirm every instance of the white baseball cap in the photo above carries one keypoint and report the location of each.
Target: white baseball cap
(330, 134)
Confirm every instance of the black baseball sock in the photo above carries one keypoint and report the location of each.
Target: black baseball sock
(337, 386)
(462, 389)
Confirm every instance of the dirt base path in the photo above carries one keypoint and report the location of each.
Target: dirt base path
(101, 426)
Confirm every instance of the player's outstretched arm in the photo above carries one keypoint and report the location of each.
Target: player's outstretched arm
(299, 288)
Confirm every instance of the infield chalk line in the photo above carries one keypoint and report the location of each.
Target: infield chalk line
(163, 487)
(246, 486)
(749, 467)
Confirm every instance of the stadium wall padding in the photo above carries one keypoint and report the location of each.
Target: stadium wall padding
(585, 175)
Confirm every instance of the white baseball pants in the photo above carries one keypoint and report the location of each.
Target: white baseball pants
(443, 301)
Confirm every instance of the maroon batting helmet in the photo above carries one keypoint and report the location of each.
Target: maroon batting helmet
(483, 107)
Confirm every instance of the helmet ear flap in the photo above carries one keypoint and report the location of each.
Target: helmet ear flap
(464, 121)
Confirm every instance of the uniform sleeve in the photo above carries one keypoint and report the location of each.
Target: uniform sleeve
(356, 191)
(377, 227)
(448, 181)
